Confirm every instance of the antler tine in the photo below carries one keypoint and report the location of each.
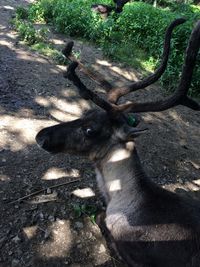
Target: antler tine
(84, 91)
(115, 93)
(97, 77)
(180, 95)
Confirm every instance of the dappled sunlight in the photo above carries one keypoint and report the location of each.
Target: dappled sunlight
(84, 192)
(114, 185)
(17, 133)
(60, 240)
(174, 115)
(6, 43)
(57, 41)
(61, 109)
(61, 116)
(65, 106)
(56, 173)
(64, 110)
(42, 101)
(122, 72)
(7, 7)
(4, 178)
(189, 187)
(197, 182)
(30, 231)
(29, 57)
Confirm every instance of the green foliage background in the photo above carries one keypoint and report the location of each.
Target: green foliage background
(134, 37)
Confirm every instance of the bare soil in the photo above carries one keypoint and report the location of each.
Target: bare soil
(44, 230)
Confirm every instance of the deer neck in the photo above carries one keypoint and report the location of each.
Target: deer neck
(120, 173)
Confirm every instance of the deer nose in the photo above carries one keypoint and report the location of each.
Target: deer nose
(42, 140)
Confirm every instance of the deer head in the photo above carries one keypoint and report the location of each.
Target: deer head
(100, 129)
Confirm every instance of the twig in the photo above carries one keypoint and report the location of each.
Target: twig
(42, 190)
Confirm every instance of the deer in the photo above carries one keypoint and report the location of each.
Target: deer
(150, 226)
(105, 10)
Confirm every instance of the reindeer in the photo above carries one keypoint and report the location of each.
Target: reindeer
(105, 10)
(151, 227)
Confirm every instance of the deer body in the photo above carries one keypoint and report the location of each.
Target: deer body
(151, 227)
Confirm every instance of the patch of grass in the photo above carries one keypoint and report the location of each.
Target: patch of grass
(88, 210)
(21, 13)
(28, 33)
(131, 56)
(48, 50)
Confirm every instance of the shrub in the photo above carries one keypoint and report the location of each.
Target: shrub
(136, 32)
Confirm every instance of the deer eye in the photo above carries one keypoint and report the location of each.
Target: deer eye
(89, 132)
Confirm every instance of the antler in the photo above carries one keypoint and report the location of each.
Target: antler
(178, 98)
(180, 95)
(97, 77)
(116, 93)
(84, 91)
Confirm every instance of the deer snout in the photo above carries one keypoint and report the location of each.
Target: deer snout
(42, 140)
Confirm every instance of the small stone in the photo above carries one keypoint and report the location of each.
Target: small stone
(3, 160)
(79, 225)
(15, 262)
(47, 234)
(89, 235)
(16, 239)
(10, 253)
(79, 246)
(48, 191)
(51, 218)
(102, 249)
(41, 215)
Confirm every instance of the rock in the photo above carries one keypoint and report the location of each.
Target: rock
(47, 234)
(41, 215)
(79, 225)
(16, 239)
(79, 246)
(102, 249)
(15, 262)
(48, 191)
(51, 218)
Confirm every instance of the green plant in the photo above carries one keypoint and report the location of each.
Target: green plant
(21, 13)
(135, 37)
(89, 210)
(27, 32)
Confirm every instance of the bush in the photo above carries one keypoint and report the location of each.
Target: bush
(140, 27)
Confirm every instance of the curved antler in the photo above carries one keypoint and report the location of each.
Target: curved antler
(178, 98)
(180, 95)
(84, 91)
(116, 93)
(95, 76)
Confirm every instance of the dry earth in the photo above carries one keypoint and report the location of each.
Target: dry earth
(43, 230)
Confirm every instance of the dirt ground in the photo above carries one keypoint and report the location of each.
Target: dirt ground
(44, 230)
